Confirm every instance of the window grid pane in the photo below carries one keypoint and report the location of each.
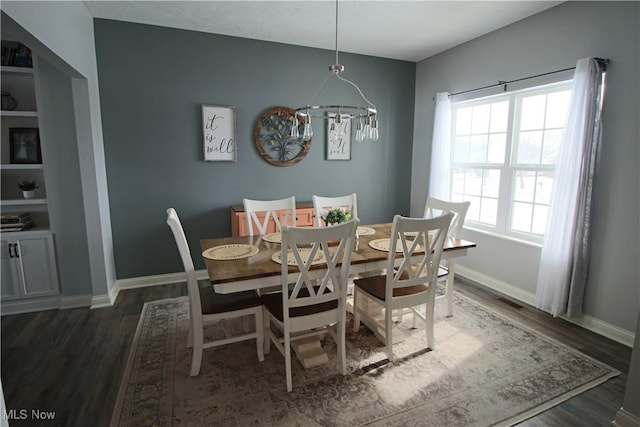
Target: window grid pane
(482, 153)
(531, 195)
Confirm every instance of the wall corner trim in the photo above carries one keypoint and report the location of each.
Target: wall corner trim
(101, 301)
(626, 419)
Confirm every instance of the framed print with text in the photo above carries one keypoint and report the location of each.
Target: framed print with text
(338, 138)
(219, 132)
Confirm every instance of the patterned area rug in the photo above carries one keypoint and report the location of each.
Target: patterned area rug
(485, 370)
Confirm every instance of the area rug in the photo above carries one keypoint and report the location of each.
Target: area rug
(485, 370)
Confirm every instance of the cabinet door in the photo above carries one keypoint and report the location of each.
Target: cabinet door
(36, 266)
(242, 224)
(305, 217)
(10, 289)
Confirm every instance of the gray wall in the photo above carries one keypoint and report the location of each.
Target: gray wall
(64, 189)
(551, 40)
(153, 81)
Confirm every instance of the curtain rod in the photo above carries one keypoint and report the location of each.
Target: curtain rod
(603, 63)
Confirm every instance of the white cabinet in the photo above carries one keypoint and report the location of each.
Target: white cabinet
(28, 265)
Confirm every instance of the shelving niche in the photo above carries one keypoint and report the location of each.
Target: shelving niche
(28, 259)
(19, 82)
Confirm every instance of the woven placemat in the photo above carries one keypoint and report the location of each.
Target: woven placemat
(273, 237)
(304, 254)
(231, 251)
(366, 231)
(385, 244)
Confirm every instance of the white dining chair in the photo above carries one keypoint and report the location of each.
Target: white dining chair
(321, 205)
(258, 213)
(207, 306)
(313, 302)
(410, 281)
(446, 275)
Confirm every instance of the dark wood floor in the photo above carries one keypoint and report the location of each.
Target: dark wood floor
(71, 361)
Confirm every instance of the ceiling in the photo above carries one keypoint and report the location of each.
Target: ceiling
(405, 30)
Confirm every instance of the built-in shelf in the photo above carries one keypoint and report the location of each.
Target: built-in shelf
(33, 231)
(21, 167)
(18, 71)
(7, 113)
(23, 202)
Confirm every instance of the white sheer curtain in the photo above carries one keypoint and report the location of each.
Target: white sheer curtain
(564, 258)
(440, 171)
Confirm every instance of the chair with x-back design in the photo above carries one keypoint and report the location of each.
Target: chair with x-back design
(410, 281)
(315, 303)
(258, 213)
(435, 207)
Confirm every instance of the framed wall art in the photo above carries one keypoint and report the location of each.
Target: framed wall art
(219, 133)
(24, 146)
(272, 136)
(338, 139)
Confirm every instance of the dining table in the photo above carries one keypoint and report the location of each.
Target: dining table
(243, 263)
(260, 271)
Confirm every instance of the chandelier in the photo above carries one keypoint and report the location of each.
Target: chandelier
(364, 116)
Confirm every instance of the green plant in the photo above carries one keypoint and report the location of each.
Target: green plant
(27, 185)
(337, 216)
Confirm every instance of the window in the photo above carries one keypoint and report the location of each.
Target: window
(504, 152)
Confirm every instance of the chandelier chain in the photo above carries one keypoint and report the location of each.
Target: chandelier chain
(337, 63)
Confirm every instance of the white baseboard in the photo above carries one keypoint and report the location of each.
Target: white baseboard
(101, 301)
(590, 323)
(28, 306)
(144, 281)
(497, 285)
(77, 301)
(626, 419)
(158, 279)
(49, 303)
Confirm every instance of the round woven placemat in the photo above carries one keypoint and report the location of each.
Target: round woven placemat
(385, 244)
(304, 254)
(366, 231)
(272, 237)
(231, 251)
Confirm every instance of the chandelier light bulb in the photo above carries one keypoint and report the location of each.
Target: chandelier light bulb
(307, 133)
(366, 131)
(359, 136)
(295, 134)
(374, 129)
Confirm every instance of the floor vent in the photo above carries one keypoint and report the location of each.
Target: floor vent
(511, 303)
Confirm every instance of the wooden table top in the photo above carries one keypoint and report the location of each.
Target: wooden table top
(261, 264)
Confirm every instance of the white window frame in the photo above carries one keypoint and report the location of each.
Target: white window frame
(509, 167)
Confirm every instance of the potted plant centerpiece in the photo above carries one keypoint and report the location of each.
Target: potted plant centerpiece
(28, 189)
(336, 216)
